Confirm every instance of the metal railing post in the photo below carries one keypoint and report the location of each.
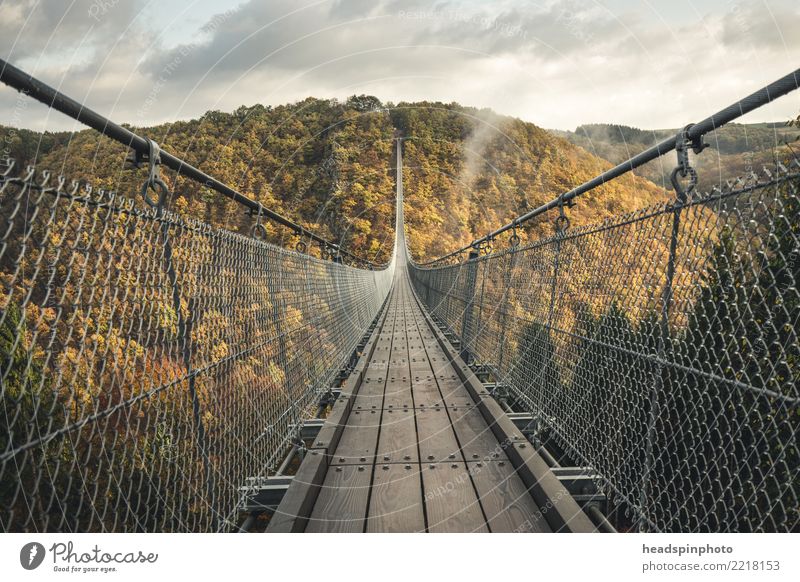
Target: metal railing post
(684, 170)
(506, 305)
(184, 324)
(469, 302)
(561, 226)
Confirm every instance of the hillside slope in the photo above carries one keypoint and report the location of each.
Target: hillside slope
(734, 150)
(328, 165)
(472, 170)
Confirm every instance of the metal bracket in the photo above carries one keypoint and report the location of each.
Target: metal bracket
(264, 493)
(562, 220)
(684, 168)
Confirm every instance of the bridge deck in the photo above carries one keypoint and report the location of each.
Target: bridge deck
(410, 449)
(415, 444)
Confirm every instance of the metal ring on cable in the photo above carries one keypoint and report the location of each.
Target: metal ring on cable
(259, 231)
(562, 223)
(157, 186)
(562, 220)
(684, 168)
(300, 246)
(154, 181)
(514, 239)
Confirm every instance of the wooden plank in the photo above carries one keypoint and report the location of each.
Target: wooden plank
(359, 439)
(398, 438)
(508, 505)
(437, 441)
(368, 401)
(450, 500)
(297, 504)
(396, 501)
(426, 394)
(455, 393)
(398, 395)
(475, 437)
(342, 501)
(331, 432)
(372, 387)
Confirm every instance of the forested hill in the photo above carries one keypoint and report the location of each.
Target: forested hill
(328, 165)
(470, 171)
(734, 149)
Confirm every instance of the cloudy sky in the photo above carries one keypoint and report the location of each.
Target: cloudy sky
(556, 63)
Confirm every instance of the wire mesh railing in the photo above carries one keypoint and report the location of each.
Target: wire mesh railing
(659, 348)
(150, 363)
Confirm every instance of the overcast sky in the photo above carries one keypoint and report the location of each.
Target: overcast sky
(645, 63)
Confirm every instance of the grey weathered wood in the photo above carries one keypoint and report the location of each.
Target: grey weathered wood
(437, 441)
(396, 501)
(398, 438)
(454, 393)
(414, 398)
(476, 439)
(450, 500)
(368, 401)
(359, 439)
(342, 501)
(564, 514)
(426, 393)
(296, 506)
(507, 503)
(398, 394)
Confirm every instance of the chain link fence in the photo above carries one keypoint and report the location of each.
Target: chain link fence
(659, 347)
(150, 363)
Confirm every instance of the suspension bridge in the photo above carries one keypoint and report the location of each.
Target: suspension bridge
(161, 374)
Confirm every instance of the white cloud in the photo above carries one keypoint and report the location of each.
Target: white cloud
(557, 64)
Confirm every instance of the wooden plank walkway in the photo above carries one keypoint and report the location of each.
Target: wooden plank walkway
(414, 450)
(415, 444)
